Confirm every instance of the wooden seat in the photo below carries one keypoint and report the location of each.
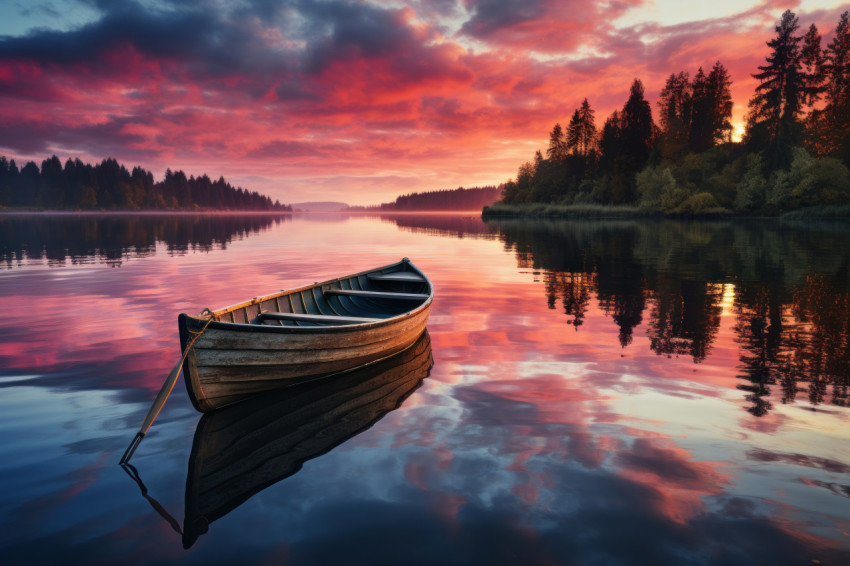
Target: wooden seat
(378, 294)
(405, 276)
(318, 318)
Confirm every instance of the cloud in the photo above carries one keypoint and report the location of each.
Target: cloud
(441, 92)
(543, 25)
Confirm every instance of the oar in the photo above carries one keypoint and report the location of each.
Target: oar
(134, 474)
(153, 412)
(160, 400)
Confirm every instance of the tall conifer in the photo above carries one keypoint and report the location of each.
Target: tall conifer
(720, 93)
(701, 136)
(812, 63)
(674, 105)
(834, 131)
(557, 146)
(637, 127)
(574, 133)
(587, 129)
(778, 101)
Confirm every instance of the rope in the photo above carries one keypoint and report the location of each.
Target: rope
(164, 392)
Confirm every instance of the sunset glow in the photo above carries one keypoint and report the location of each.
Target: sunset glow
(345, 100)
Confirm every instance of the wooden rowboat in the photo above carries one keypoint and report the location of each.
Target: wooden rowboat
(302, 334)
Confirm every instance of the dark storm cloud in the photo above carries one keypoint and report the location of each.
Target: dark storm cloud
(220, 42)
(24, 138)
(31, 138)
(153, 33)
(345, 30)
(256, 46)
(489, 16)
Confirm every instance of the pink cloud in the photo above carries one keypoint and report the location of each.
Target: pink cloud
(362, 102)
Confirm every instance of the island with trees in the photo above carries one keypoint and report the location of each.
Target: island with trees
(459, 199)
(108, 185)
(794, 154)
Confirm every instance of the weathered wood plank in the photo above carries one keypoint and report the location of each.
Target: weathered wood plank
(320, 318)
(223, 393)
(404, 276)
(220, 357)
(415, 359)
(295, 339)
(378, 294)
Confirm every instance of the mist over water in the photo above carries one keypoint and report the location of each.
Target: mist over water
(601, 392)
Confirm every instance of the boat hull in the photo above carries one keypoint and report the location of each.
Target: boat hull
(230, 361)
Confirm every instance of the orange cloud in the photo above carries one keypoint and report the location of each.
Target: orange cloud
(352, 101)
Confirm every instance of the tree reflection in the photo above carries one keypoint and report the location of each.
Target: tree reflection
(791, 287)
(685, 317)
(820, 342)
(759, 332)
(573, 289)
(113, 238)
(621, 286)
(451, 225)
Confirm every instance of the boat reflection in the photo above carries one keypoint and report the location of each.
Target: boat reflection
(242, 449)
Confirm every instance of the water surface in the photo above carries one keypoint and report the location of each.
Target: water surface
(601, 393)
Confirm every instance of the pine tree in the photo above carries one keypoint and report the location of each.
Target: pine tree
(778, 101)
(812, 63)
(611, 140)
(557, 147)
(574, 134)
(837, 64)
(588, 140)
(835, 126)
(701, 136)
(674, 105)
(720, 94)
(587, 129)
(637, 127)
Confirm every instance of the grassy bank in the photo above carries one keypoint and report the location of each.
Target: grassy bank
(826, 212)
(601, 211)
(586, 211)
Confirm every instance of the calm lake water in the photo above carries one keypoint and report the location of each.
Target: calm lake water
(601, 393)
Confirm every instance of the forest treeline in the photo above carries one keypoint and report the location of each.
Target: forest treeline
(460, 198)
(108, 185)
(795, 151)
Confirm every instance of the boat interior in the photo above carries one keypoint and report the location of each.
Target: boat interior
(358, 299)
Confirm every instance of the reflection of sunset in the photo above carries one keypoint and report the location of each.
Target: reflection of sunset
(589, 397)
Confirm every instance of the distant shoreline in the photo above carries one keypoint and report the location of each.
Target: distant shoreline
(152, 212)
(155, 212)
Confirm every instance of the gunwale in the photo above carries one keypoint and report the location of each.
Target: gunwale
(243, 327)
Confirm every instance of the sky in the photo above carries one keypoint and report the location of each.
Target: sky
(346, 100)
